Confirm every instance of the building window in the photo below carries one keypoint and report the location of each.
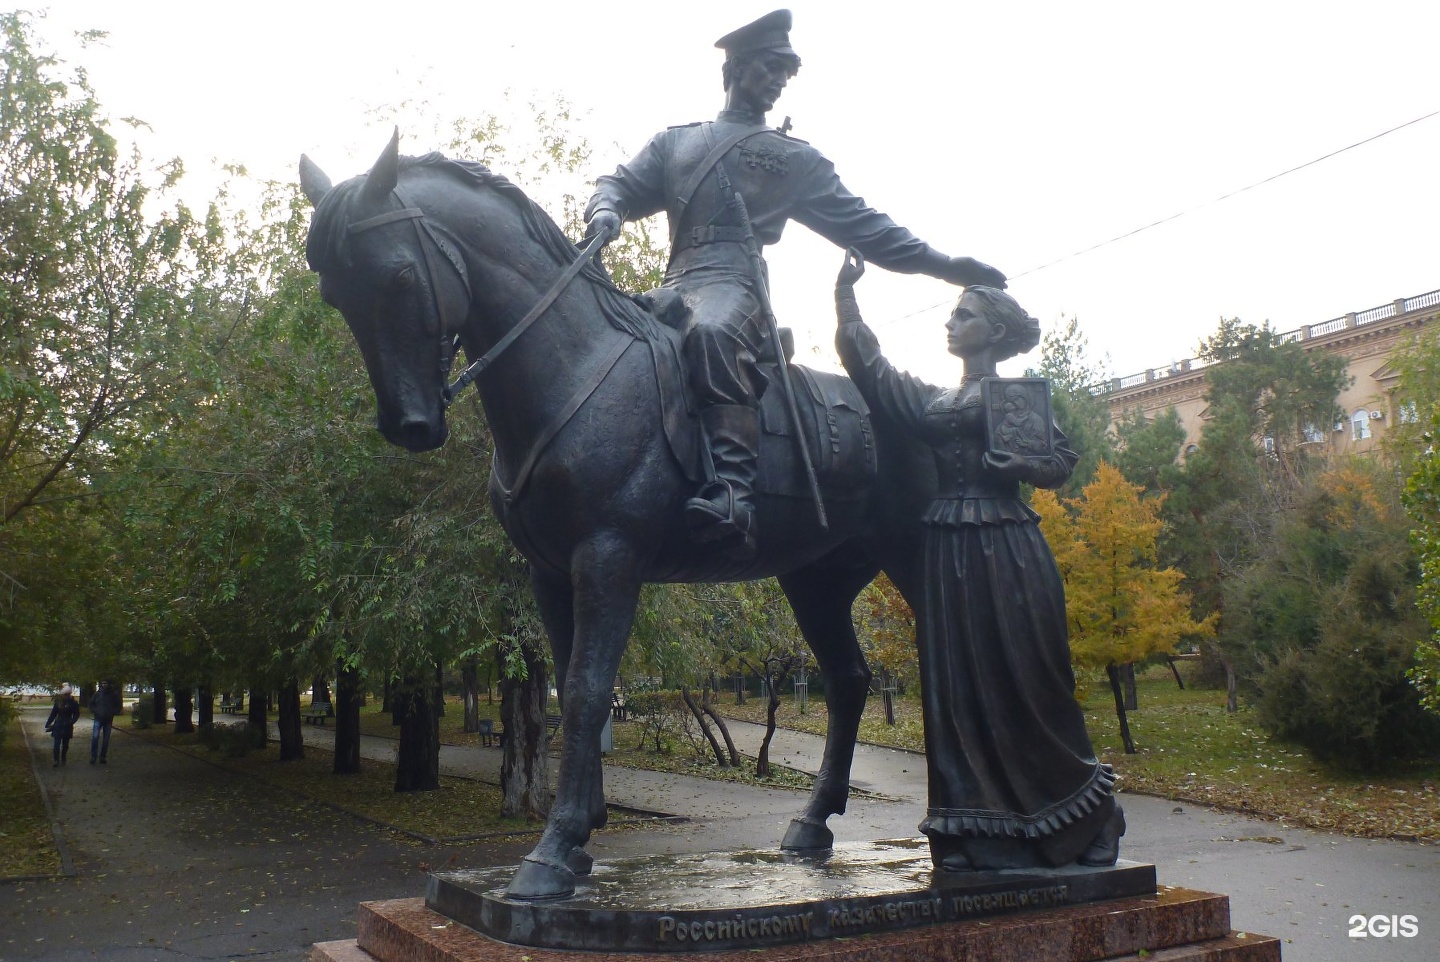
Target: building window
(1313, 434)
(1191, 449)
(1268, 443)
(1360, 425)
(1409, 413)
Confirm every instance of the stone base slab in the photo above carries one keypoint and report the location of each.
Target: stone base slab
(1175, 925)
(758, 899)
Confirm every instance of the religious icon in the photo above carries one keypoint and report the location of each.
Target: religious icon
(1018, 416)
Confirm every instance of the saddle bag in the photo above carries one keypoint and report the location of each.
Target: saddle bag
(837, 429)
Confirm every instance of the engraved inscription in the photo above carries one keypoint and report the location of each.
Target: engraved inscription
(961, 905)
(884, 913)
(786, 927)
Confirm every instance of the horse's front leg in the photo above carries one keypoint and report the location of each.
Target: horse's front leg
(555, 598)
(605, 588)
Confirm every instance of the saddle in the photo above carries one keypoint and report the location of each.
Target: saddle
(835, 420)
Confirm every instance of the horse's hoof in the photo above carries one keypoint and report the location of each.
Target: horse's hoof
(537, 881)
(806, 835)
(1104, 849)
(580, 861)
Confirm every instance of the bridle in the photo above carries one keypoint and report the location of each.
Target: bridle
(449, 341)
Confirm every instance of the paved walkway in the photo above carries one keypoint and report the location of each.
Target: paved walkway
(178, 859)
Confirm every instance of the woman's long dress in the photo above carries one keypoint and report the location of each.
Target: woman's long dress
(1005, 740)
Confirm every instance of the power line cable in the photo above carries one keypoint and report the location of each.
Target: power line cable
(1190, 210)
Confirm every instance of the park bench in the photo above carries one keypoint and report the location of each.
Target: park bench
(489, 733)
(316, 713)
(618, 711)
(230, 707)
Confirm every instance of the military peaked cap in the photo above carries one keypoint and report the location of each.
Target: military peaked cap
(770, 32)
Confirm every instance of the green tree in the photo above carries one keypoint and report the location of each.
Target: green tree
(1147, 448)
(1262, 395)
(97, 295)
(1415, 446)
(1076, 388)
(1328, 609)
(1121, 606)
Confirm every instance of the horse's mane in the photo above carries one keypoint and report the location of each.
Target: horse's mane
(328, 245)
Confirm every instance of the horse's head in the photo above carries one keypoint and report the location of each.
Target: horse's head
(401, 287)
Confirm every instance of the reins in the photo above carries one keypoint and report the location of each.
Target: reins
(423, 230)
(541, 306)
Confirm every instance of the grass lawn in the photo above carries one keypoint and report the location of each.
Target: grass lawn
(27, 846)
(1191, 749)
(681, 761)
(459, 810)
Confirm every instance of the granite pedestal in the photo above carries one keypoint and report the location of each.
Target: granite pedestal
(860, 903)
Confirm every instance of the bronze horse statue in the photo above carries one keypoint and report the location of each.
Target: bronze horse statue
(596, 453)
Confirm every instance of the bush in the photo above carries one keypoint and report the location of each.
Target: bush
(142, 713)
(234, 741)
(661, 716)
(7, 712)
(1348, 700)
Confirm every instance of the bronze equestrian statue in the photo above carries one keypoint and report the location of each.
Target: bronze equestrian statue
(596, 452)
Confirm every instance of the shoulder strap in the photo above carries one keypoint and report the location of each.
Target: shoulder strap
(692, 183)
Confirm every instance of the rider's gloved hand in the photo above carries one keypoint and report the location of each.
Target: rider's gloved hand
(603, 219)
(968, 272)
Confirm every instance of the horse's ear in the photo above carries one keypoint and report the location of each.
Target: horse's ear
(313, 181)
(386, 172)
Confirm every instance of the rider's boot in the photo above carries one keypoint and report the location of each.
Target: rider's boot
(723, 510)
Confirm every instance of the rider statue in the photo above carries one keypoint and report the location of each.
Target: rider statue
(694, 173)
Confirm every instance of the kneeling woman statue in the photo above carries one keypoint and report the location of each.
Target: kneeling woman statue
(1014, 782)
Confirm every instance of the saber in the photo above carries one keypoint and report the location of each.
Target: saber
(762, 294)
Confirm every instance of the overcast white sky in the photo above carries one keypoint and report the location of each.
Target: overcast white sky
(1016, 132)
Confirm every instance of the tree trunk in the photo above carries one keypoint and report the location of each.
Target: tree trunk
(739, 688)
(347, 721)
(1117, 689)
(1232, 687)
(205, 706)
(1127, 675)
(694, 707)
(470, 692)
(887, 696)
(1175, 670)
(320, 690)
(184, 711)
(525, 763)
(417, 769)
(762, 761)
(292, 740)
(707, 704)
(258, 721)
(161, 714)
(439, 691)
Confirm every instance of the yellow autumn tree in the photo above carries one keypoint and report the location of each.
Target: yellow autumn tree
(887, 637)
(1120, 606)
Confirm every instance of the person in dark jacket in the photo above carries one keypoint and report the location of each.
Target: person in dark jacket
(105, 705)
(61, 723)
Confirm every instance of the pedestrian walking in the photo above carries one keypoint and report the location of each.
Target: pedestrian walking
(61, 723)
(105, 705)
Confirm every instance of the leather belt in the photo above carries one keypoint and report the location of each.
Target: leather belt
(697, 236)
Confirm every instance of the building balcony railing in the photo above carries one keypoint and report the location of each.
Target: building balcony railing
(1308, 332)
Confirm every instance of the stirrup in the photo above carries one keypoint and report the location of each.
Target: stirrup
(724, 518)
